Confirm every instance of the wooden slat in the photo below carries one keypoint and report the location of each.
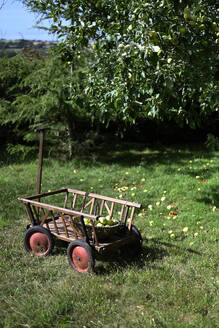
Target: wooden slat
(121, 212)
(111, 209)
(107, 207)
(54, 222)
(88, 203)
(42, 209)
(119, 201)
(64, 224)
(36, 211)
(44, 218)
(45, 194)
(92, 205)
(94, 232)
(74, 201)
(30, 213)
(71, 222)
(66, 199)
(131, 218)
(62, 234)
(126, 214)
(56, 208)
(101, 207)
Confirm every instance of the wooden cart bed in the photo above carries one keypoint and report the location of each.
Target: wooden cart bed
(61, 220)
(112, 242)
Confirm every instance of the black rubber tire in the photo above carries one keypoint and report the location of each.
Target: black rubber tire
(135, 246)
(80, 256)
(45, 249)
(137, 233)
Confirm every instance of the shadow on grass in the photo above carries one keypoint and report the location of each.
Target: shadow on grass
(110, 261)
(140, 154)
(169, 245)
(132, 153)
(120, 259)
(211, 197)
(147, 256)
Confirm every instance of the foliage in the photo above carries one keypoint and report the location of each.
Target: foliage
(19, 151)
(155, 59)
(174, 282)
(212, 142)
(43, 92)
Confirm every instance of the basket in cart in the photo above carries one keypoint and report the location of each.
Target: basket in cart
(102, 232)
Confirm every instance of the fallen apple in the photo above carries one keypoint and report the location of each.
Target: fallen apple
(102, 220)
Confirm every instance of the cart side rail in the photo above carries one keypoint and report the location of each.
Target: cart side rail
(98, 205)
(49, 193)
(76, 204)
(111, 199)
(56, 208)
(66, 224)
(83, 193)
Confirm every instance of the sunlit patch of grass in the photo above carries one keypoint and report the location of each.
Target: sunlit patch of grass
(173, 283)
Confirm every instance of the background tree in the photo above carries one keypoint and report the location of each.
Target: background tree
(153, 59)
(41, 91)
(116, 62)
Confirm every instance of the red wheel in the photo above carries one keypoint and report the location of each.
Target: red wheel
(80, 256)
(38, 241)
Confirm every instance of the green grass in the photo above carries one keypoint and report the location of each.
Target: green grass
(173, 283)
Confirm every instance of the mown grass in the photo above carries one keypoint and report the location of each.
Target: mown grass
(173, 283)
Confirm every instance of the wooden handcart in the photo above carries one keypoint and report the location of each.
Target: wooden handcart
(67, 221)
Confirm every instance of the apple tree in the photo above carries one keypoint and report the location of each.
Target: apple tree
(152, 59)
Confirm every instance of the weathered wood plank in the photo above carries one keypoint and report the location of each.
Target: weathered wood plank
(54, 222)
(36, 211)
(74, 201)
(57, 208)
(121, 212)
(66, 199)
(45, 194)
(44, 218)
(131, 218)
(88, 203)
(101, 207)
(119, 201)
(64, 225)
(92, 205)
(111, 209)
(107, 207)
(71, 222)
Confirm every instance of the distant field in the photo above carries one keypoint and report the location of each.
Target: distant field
(175, 280)
(10, 48)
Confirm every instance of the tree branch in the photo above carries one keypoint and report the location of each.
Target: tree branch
(2, 4)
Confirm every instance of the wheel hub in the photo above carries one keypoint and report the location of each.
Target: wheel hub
(39, 243)
(80, 259)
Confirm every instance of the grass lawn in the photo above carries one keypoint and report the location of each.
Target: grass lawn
(175, 280)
